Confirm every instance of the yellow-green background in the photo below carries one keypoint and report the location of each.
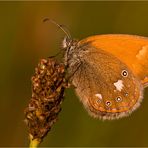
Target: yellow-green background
(24, 39)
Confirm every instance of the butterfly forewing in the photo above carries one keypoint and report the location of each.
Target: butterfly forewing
(130, 49)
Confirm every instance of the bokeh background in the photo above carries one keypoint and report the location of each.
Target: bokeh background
(24, 39)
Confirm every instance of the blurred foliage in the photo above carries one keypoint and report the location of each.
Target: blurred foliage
(24, 39)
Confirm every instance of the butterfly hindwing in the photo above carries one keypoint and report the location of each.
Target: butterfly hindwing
(105, 85)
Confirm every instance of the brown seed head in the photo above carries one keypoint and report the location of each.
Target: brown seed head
(48, 84)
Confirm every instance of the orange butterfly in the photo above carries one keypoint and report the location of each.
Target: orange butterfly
(109, 72)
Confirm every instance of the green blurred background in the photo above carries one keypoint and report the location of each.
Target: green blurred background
(24, 39)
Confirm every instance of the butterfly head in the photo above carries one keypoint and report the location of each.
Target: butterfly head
(66, 42)
(69, 46)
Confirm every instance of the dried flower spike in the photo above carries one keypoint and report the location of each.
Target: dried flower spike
(48, 86)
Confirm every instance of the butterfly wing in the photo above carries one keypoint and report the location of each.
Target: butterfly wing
(105, 85)
(130, 49)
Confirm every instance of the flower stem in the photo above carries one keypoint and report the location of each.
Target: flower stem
(34, 143)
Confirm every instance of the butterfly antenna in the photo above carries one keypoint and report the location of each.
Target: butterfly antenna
(59, 26)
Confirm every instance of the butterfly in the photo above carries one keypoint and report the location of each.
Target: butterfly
(109, 72)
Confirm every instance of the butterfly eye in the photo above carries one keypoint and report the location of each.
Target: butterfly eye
(119, 99)
(108, 103)
(124, 73)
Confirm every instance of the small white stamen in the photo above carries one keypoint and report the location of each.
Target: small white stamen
(99, 96)
(119, 85)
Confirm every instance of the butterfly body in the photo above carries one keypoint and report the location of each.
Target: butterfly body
(109, 73)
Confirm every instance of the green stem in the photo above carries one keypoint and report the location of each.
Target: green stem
(34, 142)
